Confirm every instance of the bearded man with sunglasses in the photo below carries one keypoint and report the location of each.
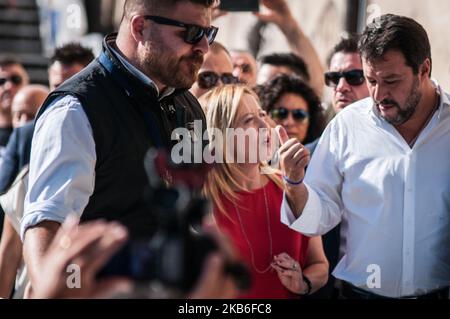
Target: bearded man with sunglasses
(346, 76)
(93, 133)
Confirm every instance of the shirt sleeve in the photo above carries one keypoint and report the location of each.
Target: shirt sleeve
(324, 208)
(62, 165)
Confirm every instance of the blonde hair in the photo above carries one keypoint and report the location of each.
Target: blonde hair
(221, 105)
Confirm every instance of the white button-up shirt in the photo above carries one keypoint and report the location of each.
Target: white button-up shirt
(394, 199)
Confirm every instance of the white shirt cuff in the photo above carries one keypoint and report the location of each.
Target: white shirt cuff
(309, 222)
(35, 218)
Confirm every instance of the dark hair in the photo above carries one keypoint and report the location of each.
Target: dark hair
(72, 53)
(346, 45)
(271, 92)
(152, 6)
(8, 60)
(289, 60)
(393, 32)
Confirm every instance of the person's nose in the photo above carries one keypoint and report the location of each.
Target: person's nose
(220, 82)
(263, 123)
(288, 121)
(342, 85)
(8, 86)
(203, 45)
(380, 93)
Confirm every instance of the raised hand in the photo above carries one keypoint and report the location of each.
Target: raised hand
(277, 12)
(294, 158)
(216, 13)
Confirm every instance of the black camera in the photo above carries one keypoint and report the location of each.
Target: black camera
(175, 255)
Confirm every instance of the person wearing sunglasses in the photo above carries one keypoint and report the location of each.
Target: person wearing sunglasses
(346, 76)
(216, 70)
(12, 78)
(103, 121)
(290, 102)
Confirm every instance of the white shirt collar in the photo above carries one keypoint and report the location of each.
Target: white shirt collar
(444, 98)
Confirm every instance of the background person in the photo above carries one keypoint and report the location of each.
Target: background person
(217, 69)
(346, 75)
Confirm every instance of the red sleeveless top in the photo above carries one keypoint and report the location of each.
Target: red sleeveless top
(252, 223)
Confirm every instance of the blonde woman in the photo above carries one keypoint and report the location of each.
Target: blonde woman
(283, 263)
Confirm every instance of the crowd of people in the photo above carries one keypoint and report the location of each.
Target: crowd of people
(353, 207)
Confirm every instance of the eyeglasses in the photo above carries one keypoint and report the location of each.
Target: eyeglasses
(209, 79)
(282, 113)
(353, 77)
(194, 33)
(14, 79)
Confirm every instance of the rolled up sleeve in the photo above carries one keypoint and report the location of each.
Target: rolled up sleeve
(324, 208)
(62, 165)
(309, 223)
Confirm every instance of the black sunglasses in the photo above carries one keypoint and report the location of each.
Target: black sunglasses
(194, 33)
(282, 113)
(14, 79)
(209, 79)
(353, 77)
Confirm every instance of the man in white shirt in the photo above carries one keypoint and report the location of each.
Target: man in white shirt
(382, 167)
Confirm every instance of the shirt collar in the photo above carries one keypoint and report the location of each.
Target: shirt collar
(140, 75)
(443, 97)
(445, 100)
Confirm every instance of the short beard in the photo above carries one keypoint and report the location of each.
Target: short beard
(160, 63)
(404, 114)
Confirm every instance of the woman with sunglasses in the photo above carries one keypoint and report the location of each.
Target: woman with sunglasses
(290, 102)
(247, 202)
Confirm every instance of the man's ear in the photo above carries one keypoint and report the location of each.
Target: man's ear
(137, 25)
(425, 69)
